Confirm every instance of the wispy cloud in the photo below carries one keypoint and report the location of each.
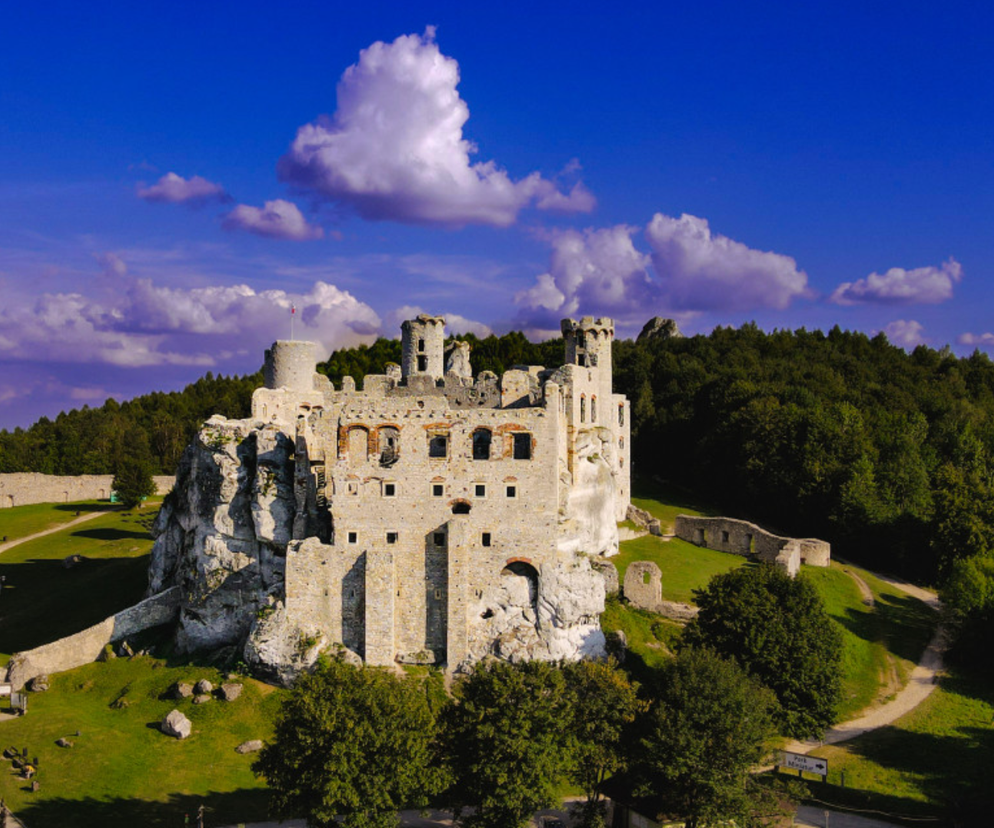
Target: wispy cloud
(395, 150)
(278, 219)
(921, 286)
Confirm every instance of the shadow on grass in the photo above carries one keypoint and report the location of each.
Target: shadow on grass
(904, 624)
(667, 492)
(43, 601)
(109, 534)
(84, 508)
(247, 805)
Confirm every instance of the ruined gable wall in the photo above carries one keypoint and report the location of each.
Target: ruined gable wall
(743, 538)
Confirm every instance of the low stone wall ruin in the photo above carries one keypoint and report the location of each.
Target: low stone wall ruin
(86, 646)
(640, 517)
(23, 488)
(740, 537)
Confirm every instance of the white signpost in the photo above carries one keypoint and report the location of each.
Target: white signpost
(807, 764)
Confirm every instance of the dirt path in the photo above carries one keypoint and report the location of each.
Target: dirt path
(861, 585)
(18, 541)
(919, 687)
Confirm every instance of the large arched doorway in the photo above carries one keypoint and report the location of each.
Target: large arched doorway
(519, 580)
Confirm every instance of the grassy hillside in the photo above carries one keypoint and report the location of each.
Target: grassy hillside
(122, 770)
(43, 600)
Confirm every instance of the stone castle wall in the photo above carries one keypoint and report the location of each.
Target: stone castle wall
(740, 537)
(24, 488)
(86, 646)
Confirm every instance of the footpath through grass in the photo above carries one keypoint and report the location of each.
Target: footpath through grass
(122, 771)
(43, 600)
(21, 521)
(881, 643)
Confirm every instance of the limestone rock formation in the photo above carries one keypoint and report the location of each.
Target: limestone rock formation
(659, 328)
(590, 506)
(176, 724)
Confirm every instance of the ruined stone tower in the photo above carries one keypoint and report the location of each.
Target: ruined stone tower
(422, 343)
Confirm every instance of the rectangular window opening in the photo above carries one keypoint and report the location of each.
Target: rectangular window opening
(437, 489)
(512, 491)
(389, 489)
(481, 490)
(486, 539)
(522, 447)
(438, 445)
(391, 537)
(353, 537)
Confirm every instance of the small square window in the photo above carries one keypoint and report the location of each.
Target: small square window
(437, 489)
(391, 537)
(353, 537)
(512, 491)
(389, 489)
(439, 538)
(481, 490)
(486, 539)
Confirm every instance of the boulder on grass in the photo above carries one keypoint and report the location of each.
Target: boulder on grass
(182, 690)
(230, 691)
(250, 746)
(39, 684)
(176, 724)
(203, 686)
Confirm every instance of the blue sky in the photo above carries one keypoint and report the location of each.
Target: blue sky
(174, 176)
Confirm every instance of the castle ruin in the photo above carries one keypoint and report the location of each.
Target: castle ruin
(429, 517)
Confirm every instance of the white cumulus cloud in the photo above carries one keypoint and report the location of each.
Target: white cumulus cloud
(905, 333)
(704, 271)
(395, 149)
(984, 340)
(150, 325)
(278, 219)
(921, 286)
(174, 189)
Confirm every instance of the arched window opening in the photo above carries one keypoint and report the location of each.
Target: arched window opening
(460, 507)
(593, 409)
(389, 439)
(583, 409)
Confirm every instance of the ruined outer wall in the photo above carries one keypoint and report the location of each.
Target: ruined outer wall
(85, 647)
(743, 538)
(23, 488)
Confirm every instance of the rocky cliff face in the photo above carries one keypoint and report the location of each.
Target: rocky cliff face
(589, 520)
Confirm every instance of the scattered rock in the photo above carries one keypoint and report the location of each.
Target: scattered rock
(182, 690)
(176, 724)
(120, 703)
(201, 698)
(72, 560)
(35, 786)
(124, 650)
(64, 742)
(250, 746)
(202, 686)
(39, 684)
(230, 691)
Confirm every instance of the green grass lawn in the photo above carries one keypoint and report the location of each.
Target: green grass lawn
(22, 521)
(664, 501)
(881, 643)
(123, 771)
(43, 601)
(685, 567)
(939, 756)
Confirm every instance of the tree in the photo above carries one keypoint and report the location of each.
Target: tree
(351, 741)
(508, 741)
(604, 704)
(133, 481)
(704, 733)
(777, 629)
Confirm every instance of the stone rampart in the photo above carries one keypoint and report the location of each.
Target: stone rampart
(743, 538)
(23, 488)
(86, 646)
(640, 517)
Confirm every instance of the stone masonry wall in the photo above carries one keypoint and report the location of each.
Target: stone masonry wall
(743, 538)
(86, 646)
(23, 488)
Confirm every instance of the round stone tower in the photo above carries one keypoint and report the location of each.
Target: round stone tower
(422, 342)
(291, 365)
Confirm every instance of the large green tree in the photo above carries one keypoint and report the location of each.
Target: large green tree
(777, 629)
(710, 724)
(356, 742)
(508, 739)
(604, 705)
(133, 481)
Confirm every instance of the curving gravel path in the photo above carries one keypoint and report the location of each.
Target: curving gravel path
(18, 541)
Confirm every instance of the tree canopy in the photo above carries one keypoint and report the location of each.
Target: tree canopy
(351, 741)
(703, 734)
(133, 481)
(777, 629)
